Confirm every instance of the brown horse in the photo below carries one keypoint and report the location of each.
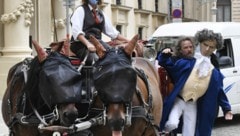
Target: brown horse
(33, 97)
(129, 90)
(128, 95)
(137, 51)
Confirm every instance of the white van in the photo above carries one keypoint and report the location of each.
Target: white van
(229, 55)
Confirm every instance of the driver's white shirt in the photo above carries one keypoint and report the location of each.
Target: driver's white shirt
(77, 20)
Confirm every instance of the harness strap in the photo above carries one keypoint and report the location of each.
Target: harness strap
(144, 77)
(30, 119)
(145, 110)
(25, 67)
(16, 76)
(52, 116)
(140, 112)
(20, 118)
(21, 69)
(13, 81)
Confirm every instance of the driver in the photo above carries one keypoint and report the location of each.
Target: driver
(88, 20)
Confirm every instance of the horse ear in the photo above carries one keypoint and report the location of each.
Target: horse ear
(100, 50)
(131, 45)
(42, 55)
(56, 46)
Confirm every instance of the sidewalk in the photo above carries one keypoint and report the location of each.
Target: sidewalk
(3, 127)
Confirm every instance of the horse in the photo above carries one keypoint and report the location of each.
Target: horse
(128, 99)
(39, 93)
(135, 105)
(128, 92)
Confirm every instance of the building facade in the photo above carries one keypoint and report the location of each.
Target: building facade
(45, 21)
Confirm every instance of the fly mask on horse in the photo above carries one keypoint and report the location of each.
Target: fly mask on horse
(60, 83)
(43, 95)
(115, 80)
(129, 90)
(114, 77)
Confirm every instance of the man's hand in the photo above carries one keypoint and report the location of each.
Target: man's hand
(66, 47)
(91, 47)
(167, 51)
(228, 115)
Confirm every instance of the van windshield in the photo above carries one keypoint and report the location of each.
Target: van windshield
(160, 43)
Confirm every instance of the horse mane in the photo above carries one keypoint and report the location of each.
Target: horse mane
(31, 86)
(13, 71)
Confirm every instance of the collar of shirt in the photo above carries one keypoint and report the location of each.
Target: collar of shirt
(203, 64)
(91, 8)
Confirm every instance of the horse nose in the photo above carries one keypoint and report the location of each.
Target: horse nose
(116, 124)
(70, 116)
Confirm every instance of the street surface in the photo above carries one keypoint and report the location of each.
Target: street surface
(222, 127)
(227, 128)
(3, 127)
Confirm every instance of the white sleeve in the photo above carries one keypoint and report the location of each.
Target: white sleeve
(77, 20)
(109, 30)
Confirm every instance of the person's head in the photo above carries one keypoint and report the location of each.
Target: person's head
(184, 47)
(208, 41)
(93, 3)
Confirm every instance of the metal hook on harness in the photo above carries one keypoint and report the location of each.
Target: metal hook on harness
(84, 61)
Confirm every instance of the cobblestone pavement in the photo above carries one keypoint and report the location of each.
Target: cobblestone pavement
(222, 127)
(227, 128)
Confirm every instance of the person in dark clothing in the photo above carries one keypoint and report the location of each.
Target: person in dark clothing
(198, 85)
(88, 20)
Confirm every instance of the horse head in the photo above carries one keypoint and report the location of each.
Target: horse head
(115, 80)
(41, 91)
(59, 84)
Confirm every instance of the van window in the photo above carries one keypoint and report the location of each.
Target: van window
(163, 42)
(225, 54)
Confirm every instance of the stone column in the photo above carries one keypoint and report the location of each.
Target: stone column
(45, 31)
(59, 16)
(16, 20)
(214, 12)
(1, 26)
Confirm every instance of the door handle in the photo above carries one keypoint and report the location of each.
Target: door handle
(235, 71)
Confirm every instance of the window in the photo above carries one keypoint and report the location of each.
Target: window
(183, 8)
(139, 4)
(119, 28)
(170, 5)
(225, 55)
(140, 32)
(156, 5)
(170, 8)
(223, 11)
(118, 2)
